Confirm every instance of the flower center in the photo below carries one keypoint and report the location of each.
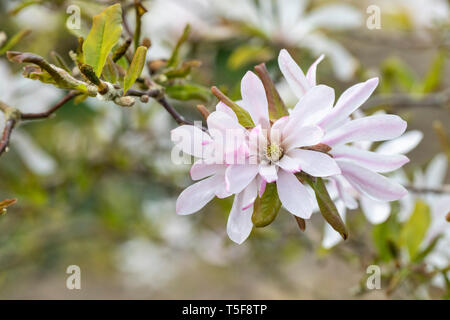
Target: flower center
(274, 152)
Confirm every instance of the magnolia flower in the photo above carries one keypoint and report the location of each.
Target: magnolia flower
(375, 211)
(269, 153)
(287, 22)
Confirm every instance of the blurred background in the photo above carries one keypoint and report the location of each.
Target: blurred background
(96, 186)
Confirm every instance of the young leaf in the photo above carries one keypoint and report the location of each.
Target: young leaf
(5, 204)
(385, 238)
(434, 75)
(414, 230)
(135, 69)
(243, 116)
(327, 206)
(174, 58)
(188, 91)
(248, 53)
(105, 33)
(265, 209)
(14, 40)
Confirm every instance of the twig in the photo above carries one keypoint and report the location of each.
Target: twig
(444, 190)
(49, 112)
(171, 110)
(4, 142)
(401, 100)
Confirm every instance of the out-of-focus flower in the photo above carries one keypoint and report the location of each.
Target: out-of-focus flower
(31, 97)
(421, 13)
(287, 23)
(166, 19)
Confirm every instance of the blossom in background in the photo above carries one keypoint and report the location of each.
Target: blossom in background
(30, 97)
(286, 22)
(199, 14)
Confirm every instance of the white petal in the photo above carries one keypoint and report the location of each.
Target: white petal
(370, 183)
(293, 74)
(289, 164)
(268, 172)
(239, 176)
(346, 192)
(249, 195)
(375, 211)
(315, 163)
(239, 224)
(369, 160)
(293, 195)
(301, 136)
(312, 107)
(201, 169)
(401, 145)
(349, 101)
(372, 128)
(436, 171)
(254, 98)
(196, 196)
(330, 236)
(311, 74)
(191, 140)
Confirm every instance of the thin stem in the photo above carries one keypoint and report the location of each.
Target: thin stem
(445, 189)
(171, 110)
(49, 112)
(4, 142)
(401, 100)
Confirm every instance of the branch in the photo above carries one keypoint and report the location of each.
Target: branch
(445, 189)
(402, 100)
(13, 116)
(49, 112)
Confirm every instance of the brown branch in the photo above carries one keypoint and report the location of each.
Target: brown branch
(4, 142)
(445, 189)
(171, 110)
(49, 112)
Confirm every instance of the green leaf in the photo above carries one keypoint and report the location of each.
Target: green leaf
(414, 230)
(188, 91)
(277, 109)
(135, 69)
(385, 237)
(105, 33)
(327, 206)
(434, 76)
(110, 71)
(396, 72)
(428, 249)
(175, 57)
(14, 40)
(265, 209)
(248, 54)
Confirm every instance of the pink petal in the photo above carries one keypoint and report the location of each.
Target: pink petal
(201, 169)
(311, 74)
(315, 163)
(373, 128)
(345, 191)
(370, 183)
(191, 140)
(293, 195)
(196, 196)
(238, 176)
(436, 171)
(268, 172)
(254, 98)
(349, 101)
(293, 74)
(375, 211)
(302, 136)
(276, 131)
(239, 225)
(313, 106)
(369, 160)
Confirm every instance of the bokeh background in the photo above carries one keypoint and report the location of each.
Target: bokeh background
(97, 188)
